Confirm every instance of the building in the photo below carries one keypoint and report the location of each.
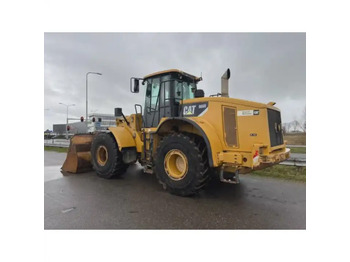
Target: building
(97, 122)
(59, 129)
(77, 128)
(102, 121)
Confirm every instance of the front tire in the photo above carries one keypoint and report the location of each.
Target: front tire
(107, 160)
(182, 164)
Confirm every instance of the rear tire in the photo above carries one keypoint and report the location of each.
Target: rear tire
(107, 160)
(182, 164)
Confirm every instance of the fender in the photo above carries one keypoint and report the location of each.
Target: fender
(207, 131)
(123, 137)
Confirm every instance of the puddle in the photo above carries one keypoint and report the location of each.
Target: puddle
(52, 173)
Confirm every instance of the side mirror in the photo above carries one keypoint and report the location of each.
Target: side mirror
(198, 93)
(118, 112)
(134, 85)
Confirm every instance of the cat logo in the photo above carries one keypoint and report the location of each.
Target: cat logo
(189, 110)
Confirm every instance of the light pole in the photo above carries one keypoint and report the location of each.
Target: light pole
(67, 117)
(86, 119)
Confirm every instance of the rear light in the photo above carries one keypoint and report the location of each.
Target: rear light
(256, 158)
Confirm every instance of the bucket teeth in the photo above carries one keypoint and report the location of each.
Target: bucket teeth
(79, 157)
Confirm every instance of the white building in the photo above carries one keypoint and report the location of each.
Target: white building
(97, 122)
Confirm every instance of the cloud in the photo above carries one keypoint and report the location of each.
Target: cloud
(264, 67)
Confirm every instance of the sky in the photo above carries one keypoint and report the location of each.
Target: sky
(264, 67)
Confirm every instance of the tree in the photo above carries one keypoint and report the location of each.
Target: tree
(303, 120)
(295, 124)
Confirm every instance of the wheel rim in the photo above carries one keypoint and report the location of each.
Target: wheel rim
(102, 155)
(176, 164)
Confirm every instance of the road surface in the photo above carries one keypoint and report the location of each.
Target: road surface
(299, 156)
(137, 201)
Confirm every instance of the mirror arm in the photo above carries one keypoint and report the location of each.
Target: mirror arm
(125, 119)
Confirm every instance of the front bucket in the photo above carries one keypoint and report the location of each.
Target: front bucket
(79, 157)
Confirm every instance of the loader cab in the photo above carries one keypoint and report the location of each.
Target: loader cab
(164, 93)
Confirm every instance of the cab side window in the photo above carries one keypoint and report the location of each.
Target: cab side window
(155, 93)
(178, 91)
(152, 92)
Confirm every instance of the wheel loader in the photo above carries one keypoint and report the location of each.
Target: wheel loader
(183, 136)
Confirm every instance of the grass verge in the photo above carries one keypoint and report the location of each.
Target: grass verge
(283, 172)
(301, 150)
(295, 138)
(56, 149)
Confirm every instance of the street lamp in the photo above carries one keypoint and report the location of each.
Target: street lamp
(87, 93)
(67, 117)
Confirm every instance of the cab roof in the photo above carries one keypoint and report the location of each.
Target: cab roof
(173, 71)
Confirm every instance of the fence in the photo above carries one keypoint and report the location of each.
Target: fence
(56, 142)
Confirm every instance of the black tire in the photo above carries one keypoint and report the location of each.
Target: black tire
(197, 175)
(107, 160)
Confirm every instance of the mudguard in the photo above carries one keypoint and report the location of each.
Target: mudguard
(207, 131)
(123, 136)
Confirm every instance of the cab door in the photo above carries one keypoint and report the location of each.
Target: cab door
(151, 113)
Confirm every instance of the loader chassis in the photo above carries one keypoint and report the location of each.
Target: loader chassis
(185, 138)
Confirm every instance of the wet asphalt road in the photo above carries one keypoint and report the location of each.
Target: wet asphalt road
(137, 201)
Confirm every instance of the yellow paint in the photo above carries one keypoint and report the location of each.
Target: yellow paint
(252, 135)
(171, 71)
(176, 164)
(123, 136)
(135, 130)
(252, 132)
(102, 155)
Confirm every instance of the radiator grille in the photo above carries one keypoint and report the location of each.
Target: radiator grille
(275, 127)
(230, 126)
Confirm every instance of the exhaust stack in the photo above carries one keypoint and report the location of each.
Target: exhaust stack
(224, 83)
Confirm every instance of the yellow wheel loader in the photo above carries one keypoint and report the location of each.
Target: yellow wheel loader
(182, 136)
